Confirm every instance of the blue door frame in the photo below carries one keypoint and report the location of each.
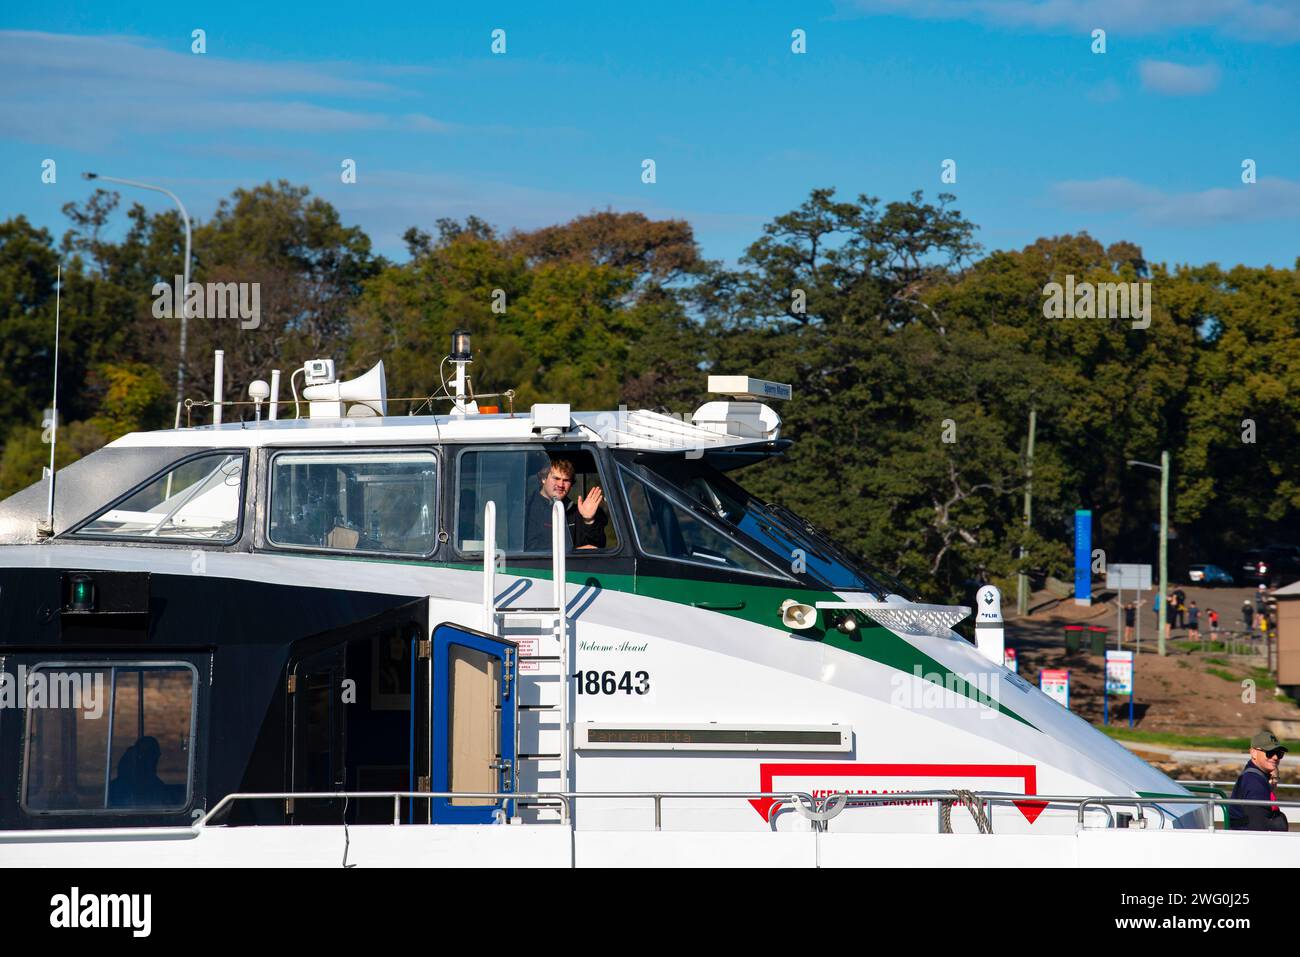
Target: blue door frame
(445, 637)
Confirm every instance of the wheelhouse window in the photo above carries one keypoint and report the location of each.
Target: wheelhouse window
(375, 501)
(198, 500)
(523, 483)
(666, 528)
(772, 529)
(104, 738)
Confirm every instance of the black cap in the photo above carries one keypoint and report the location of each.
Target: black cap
(1267, 741)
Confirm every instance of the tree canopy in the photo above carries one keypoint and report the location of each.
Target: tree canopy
(915, 355)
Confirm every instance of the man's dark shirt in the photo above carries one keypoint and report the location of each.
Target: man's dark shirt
(1253, 785)
(537, 525)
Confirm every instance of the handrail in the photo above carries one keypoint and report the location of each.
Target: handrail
(490, 567)
(1211, 802)
(559, 547)
(798, 798)
(819, 812)
(396, 797)
(1187, 781)
(830, 806)
(1203, 789)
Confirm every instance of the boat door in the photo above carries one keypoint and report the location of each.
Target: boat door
(472, 724)
(319, 734)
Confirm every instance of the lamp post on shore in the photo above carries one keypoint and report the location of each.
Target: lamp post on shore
(1163, 469)
(180, 365)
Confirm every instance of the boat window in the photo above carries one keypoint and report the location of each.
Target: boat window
(375, 501)
(668, 529)
(197, 500)
(515, 480)
(104, 737)
(792, 540)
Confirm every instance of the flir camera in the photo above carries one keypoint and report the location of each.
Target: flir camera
(319, 371)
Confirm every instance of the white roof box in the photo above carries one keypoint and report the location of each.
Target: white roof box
(744, 387)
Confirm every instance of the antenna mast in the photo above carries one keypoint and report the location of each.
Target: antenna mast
(54, 411)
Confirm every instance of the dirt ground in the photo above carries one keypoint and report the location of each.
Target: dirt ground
(1187, 692)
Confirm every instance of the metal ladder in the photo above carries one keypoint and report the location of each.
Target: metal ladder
(543, 652)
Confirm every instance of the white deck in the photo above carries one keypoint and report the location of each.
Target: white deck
(557, 846)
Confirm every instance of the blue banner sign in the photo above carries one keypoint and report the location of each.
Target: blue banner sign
(1083, 556)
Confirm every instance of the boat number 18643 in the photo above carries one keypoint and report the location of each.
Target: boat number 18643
(610, 682)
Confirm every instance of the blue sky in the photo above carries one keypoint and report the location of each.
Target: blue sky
(1143, 142)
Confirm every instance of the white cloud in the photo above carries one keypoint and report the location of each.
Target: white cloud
(1270, 198)
(1270, 21)
(1175, 79)
(87, 92)
(52, 61)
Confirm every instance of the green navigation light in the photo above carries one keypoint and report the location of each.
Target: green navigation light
(83, 594)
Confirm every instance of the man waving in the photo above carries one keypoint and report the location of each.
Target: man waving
(585, 519)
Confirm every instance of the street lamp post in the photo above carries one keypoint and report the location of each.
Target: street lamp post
(1022, 580)
(1163, 469)
(180, 365)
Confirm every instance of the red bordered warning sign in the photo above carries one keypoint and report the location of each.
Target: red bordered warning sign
(947, 775)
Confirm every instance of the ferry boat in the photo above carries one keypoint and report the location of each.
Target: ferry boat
(500, 637)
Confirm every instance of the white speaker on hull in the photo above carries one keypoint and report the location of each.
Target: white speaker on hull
(797, 616)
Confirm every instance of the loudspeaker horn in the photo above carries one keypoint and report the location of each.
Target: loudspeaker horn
(796, 616)
(369, 390)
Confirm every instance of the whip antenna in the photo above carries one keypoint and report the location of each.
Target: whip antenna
(54, 412)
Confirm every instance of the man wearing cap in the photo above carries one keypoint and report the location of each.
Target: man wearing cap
(1256, 783)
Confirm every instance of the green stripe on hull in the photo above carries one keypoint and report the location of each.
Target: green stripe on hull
(759, 604)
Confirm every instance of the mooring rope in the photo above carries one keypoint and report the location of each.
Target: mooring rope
(971, 803)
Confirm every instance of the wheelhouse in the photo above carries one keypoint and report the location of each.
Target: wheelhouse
(188, 612)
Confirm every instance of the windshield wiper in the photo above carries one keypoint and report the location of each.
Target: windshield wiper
(871, 578)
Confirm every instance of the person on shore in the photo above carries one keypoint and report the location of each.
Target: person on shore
(1180, 606)
(1193, 621)
(1247, 616)
(1213, 617)
(1130, 619)
(1170, 612)
(1261, 610)
(1258, 782)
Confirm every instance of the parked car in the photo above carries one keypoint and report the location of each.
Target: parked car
(1210, 576)
(1272, 565)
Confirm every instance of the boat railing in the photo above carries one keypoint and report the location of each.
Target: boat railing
(800, 799)
(819, 810)
(1227, 784)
